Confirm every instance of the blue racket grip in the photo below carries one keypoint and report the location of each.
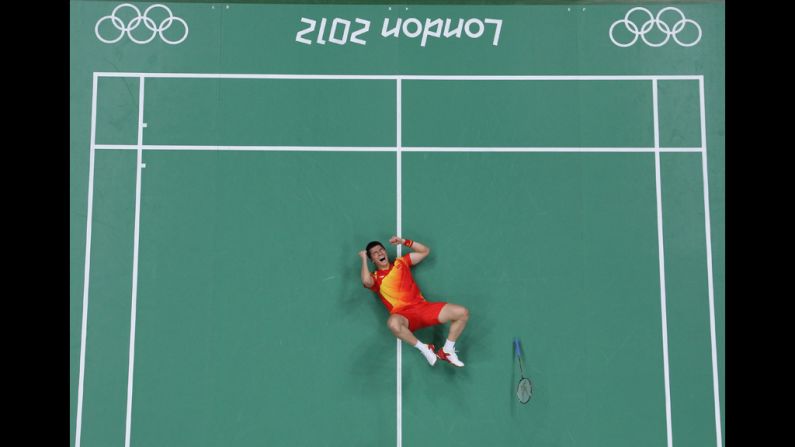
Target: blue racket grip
(516, 347)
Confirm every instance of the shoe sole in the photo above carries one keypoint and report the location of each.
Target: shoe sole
(454, 364)
(432, 347)
(448, 361)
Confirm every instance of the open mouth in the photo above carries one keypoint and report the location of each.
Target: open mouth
(383, 259)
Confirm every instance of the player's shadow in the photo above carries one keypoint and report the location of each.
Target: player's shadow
(476, 349)
(437, 335)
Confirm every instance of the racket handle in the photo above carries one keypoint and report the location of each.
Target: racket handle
(516, 347)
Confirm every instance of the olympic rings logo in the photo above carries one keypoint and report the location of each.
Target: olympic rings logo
(669, 31)
(135, 22)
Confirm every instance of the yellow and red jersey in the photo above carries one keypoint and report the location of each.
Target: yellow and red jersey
(395, 286)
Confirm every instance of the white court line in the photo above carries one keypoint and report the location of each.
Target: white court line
(400, 77)
(165, 147)
(710, 287)
(399, 149)
(552, 149)
(399, 174)
(87, 267)
(178, 147)
(133, 311)
(661, 249)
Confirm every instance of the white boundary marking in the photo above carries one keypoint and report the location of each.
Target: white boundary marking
(399, 201)
(133, 311)
(403, 77)
(710, 287)
(165, 147)
(661, 250)
(162, 147)
(552, 149)
(87, 268)
(140, 147)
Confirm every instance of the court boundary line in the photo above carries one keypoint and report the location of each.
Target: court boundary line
(656, 150)
(87, 264)
(399, 202)
(401, 77)
(710, 273)
(494, 149)
(661, 252)
(137, 232)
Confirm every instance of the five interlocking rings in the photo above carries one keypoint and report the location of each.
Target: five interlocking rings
(137, 20)
(642, 31)
(650, 23)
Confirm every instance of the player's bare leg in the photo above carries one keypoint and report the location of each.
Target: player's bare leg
(458, 316)
(399, 325)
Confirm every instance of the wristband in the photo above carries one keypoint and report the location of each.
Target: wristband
(408, 242)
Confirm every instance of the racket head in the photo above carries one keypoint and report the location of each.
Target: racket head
(524, 391)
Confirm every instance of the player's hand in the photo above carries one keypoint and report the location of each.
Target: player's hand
(363, 255)
(394, 240)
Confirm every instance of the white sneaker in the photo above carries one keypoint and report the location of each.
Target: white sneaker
(450, 357)
(429, 355)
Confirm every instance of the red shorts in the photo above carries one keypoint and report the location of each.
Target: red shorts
(421, 315)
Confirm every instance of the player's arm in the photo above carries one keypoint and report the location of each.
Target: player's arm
(367, 280)
(418, 251)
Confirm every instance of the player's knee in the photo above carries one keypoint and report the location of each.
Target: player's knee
(393, 324)
(464, 313)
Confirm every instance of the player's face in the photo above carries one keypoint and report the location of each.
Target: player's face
(379, 257)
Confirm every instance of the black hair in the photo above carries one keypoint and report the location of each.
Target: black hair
(371, 245)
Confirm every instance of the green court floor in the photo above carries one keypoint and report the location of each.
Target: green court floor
(217, 215)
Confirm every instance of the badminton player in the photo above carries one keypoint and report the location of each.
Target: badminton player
(408, 309)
